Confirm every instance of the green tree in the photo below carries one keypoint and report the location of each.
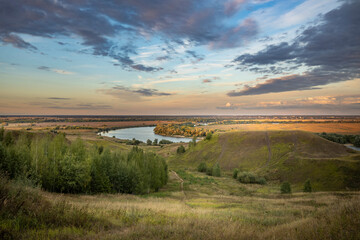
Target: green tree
(180, 149)
(208, 136)
(307, 186)
(149, 142)
(2, 132)
(155, 142)
(285, 188)
(357, 141)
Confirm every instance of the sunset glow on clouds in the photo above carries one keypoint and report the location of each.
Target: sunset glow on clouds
(179, 57)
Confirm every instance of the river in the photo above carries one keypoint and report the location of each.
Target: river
(142, 134)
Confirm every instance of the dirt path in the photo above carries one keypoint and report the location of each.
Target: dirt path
(181, 181)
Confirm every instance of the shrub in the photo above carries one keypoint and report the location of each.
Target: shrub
(202, 167)
(235, 173)
(285, 188)
(180, 149)
(208, 136)
(307, 186)
(248, 177)
(216, 171)
(164, 141)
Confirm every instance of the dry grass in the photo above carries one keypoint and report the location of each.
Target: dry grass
(341, 128)
(220, 216)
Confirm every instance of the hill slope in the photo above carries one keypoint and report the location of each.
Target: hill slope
(280, 155)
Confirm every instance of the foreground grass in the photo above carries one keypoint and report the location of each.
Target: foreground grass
(27, 213)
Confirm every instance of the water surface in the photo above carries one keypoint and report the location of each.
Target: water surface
(142, 134)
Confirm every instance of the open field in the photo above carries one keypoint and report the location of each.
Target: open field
(204, 210)
(340, 128)
(193, 205)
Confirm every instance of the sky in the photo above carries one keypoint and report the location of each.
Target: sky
(180, 57)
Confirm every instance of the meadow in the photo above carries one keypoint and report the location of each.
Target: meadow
(194, 205)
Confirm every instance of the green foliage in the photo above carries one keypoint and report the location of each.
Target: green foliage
(208, 136)
(248, 177)
(216, 171)
(235, 173)
(342, 139)
(2, 132)
(149, 142)
(133, 142)
(357, 141)
(164, 141)
(202, 167)
(8, 138)
(285, 188)
(192, 143)
(59, 166)
(155, 142)
(180, 149)
(307, 186)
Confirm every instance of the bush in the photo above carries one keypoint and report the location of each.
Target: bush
(235, 173)
(149, 142)
(307, 186)
(164, 141)
(248, 177)
(208, 136)
(180, 149)
(202, 167)
(216, 171)
(285, 188)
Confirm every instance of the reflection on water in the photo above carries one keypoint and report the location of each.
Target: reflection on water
(142, 134)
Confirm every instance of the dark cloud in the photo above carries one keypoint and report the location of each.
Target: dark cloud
(146, 92)
(45, 68)
(58, 98)
(89, 106)
(16, 41)
(195, 55)
(209, 80)
(99, 23)
(330, 50)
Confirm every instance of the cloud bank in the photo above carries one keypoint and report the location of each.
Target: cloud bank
(330, 50)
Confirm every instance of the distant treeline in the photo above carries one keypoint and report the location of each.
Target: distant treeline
(342, 139)
(187, 130)
(55, 164)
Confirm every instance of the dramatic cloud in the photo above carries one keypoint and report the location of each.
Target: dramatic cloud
(121, 91)
(330, 50)
(106, 25)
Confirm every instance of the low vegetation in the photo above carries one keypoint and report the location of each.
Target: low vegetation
(248, 177)
(342, 139)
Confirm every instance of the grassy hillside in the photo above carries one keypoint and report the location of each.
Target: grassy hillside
(27, 213)
(292, 156)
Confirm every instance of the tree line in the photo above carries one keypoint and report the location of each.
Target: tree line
(342, 139)
(57, 165)
(180, 130)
